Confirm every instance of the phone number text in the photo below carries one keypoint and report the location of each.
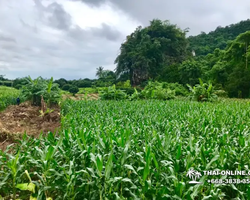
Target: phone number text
(229, 181)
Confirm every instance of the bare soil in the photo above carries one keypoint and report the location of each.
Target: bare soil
(17, 119)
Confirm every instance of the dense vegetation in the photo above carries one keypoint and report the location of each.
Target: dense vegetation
(133, 150)
(162, 52)
(33, 90)
(204, 44)
(8, 96)
(147, 51)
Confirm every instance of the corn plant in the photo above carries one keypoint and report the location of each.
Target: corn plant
(132, 150)
(8, 96)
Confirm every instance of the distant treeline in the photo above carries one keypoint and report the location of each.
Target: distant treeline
(162, 52)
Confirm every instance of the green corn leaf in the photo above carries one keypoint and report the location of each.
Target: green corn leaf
(178, 153)
(26, 186)
(109, 166)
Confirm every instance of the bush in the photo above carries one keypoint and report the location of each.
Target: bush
(179, 89)
(164, 94)
(128, 91)
(136, 95)
(221, 93)
(92, 90)
(124, 84)
(154, 90)
(73, 89)
(19, 82)
(111, 93)
(84, 84)
(202, 92)
(18, 86)
(6, 83)
(66, 87)
(138, 89)
(61, 82)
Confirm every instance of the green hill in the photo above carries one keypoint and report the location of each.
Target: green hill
(204, 44)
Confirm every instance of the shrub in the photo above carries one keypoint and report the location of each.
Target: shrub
(164, 94)
(84, 84)
(61, 82)
(202, 92)
(138, 89)
(6, 83)
(92, 90)
(128, 91)
(73, 89)
(179, 89)
(66, 87)
(136, 95)
(124, 84)
(111, 93)
(221, 93)
(19, 82)
(18, 86)
(155, 90)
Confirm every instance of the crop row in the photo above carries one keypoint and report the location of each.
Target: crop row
(133, 150)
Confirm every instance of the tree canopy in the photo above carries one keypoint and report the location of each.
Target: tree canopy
(204, 44)
(147, 51)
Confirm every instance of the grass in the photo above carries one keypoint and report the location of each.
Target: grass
(8, 96)
(89, 90)
(133, 150)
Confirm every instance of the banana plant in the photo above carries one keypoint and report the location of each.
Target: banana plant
(202, 91)
(39, 86)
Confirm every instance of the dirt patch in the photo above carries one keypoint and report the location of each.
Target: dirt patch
(16, 120)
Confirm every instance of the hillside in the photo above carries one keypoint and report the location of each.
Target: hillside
(204, 43)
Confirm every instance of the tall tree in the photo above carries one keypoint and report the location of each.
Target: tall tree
(2, 78)
(190, 72)
(244, 41)
(148, 50)
(234, 64)
(99, 72)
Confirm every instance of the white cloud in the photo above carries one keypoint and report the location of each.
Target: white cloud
(35, 42)
(70, 38)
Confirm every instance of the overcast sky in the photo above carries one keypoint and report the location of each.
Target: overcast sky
(71, 38)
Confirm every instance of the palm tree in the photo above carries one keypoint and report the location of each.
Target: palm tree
(191, 173)
(99, 72)
(197, 175)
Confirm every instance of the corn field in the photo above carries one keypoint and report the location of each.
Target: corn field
(132, 150)
(8, 96)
